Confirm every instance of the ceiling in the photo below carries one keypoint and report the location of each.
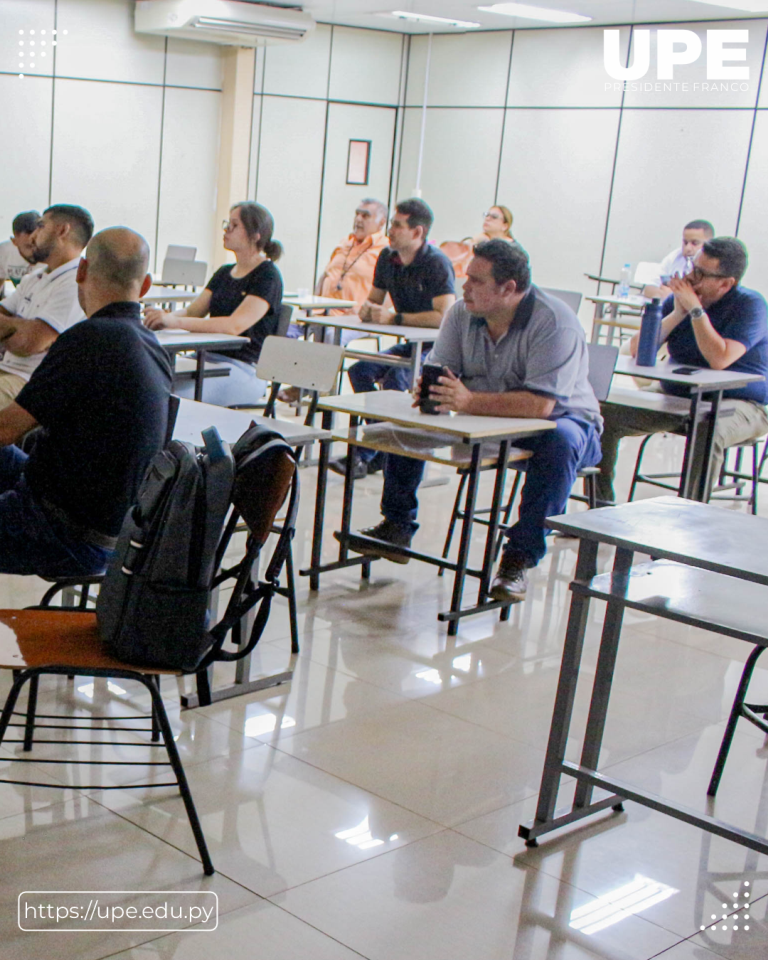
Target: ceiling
(364, 13)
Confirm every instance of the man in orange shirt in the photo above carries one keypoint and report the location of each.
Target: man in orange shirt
(349, 273)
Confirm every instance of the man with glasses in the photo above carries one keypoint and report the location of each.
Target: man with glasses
(45, 303)
(710, 320)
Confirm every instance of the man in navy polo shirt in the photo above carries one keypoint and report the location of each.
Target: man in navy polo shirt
(709, 321)
(419, 279)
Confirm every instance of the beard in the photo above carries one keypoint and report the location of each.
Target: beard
(40, 254)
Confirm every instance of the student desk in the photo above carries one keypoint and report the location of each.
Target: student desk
(158, 296)
(311, 302)
(607, 314)
(464, 436)
(703, 382)
(710, 571)
(414, 335)
(191, 419)
(181, 341)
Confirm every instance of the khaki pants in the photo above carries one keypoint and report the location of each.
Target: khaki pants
(10, 387)
(738, 422)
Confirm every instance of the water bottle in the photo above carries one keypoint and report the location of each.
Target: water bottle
(650, 328)
(624, 278)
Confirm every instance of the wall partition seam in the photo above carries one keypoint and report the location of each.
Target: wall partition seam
(322, 165)
(160, 155)
(250, 125)
(397, 133)
(402, 112)
(504, 120)
(613, 167)
(53, 104)
(751, 137)
(261, 121)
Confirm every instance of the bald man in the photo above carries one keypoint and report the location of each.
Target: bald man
(101, 397)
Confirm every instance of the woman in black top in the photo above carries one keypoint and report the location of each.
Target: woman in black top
(241, 298)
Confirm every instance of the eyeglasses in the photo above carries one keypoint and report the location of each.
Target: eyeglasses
(227, 225)
(493, 216)
(698, 274)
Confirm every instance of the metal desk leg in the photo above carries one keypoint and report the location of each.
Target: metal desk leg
(466, 536)
(493, 521)
(606, 664)
(322, 486)
(199, 374)
(566, 692)
(415, 362)
(684, 490)
(706, 480)
(349, 486)
(597, 323)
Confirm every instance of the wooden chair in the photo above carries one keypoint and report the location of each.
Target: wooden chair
(37, 642)
(311, 366)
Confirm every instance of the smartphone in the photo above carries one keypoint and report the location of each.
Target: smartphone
(685, 371)
(429, 374)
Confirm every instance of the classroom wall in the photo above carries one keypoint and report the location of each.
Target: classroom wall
(129, 127)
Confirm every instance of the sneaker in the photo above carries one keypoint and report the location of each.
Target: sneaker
(395, 533)
(511, 581)
(359, 467)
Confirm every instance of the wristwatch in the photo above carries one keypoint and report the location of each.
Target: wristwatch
(398, 319)
(697, 313)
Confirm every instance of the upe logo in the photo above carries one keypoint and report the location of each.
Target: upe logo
(677, 48)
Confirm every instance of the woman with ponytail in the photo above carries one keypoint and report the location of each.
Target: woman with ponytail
(241, 298)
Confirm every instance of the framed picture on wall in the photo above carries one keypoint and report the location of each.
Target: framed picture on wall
(358, 162)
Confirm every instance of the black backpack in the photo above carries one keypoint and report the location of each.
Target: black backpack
(152, 608)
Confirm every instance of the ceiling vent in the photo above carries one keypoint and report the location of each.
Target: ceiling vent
(229, 22)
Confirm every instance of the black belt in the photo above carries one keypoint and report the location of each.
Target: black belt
(92, 537)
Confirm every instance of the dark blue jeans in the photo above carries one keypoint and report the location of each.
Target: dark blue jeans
(558, 455)
(365, 374)
(30, 542)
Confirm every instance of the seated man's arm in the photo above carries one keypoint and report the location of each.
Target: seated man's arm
(453, 395)
(26, 337)
(371, 310)
(14, 423)
(434, 317)
(668, 324)
(719, 352)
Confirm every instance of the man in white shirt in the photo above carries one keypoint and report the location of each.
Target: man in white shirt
(45, 302)
(679, 262)
(16, 254)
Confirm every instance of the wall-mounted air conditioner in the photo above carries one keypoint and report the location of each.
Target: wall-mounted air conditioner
(230, 22)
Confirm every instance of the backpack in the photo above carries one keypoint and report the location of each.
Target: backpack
(152, 608)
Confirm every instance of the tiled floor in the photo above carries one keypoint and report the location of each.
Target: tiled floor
(370, 807)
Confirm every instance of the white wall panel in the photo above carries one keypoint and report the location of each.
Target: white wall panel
(96, 40)
(461, 156)
(346, 122)
(290, 176)
(189, 168)
(671, 168)
(299, 69)
(555, 178)
(365, 65)
(25, 115)
(763, 101)
(469, 69)
(561, 68)
(192, 64)
(106, 151)
(752, 227)
(686, 85)
(26, 15)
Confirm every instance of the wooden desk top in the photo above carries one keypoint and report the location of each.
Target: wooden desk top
(312, 302)
(702, 380)
(194, 417)
(168, 295)
(396, 407)
(671, 528)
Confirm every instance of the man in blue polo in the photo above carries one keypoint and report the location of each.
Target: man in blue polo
(510, 351)
(419, 279)
(710, 320)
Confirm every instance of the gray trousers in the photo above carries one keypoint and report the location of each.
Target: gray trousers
(738, 422)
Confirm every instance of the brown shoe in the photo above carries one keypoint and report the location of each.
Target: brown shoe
(289, 395)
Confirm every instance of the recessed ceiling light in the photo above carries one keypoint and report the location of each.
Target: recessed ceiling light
(750, 6)
(527, 12)
(426, 18)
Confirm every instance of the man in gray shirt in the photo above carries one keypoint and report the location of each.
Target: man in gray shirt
(509, 351)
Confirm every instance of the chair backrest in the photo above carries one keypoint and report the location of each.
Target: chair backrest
(300, 363)
(189, 273)
(284, 318)
(602, 360)
(177, 252)
(570, 297)
(646, 272)
(459, 253)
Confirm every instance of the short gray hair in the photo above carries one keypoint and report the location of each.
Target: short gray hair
(118, 256)
(381, 208)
